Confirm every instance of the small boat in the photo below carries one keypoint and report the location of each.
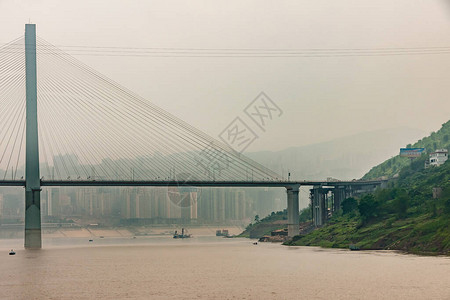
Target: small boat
(183, 235)
(223, 232)
(12, 252)
(353, 247)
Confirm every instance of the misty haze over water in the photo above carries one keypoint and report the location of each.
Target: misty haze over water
(325, 90)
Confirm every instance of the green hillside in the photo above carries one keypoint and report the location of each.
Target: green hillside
(274, 221)
(412, 214)
(437, 140)
(404, 216)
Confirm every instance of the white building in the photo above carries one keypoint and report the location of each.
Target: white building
(438, 157)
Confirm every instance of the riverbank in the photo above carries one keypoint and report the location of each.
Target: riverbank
(93, 232)
(412, 215)
(421, 235)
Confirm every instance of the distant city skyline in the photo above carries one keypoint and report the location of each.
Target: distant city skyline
(140, 205)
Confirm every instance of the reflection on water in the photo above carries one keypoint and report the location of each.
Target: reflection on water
(213, 268)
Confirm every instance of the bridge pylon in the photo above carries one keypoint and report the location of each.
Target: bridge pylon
(33, 239)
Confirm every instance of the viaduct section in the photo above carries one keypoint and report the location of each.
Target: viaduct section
(326, 197)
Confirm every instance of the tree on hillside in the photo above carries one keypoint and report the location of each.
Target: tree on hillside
(349, 205)
(401, 204)
(368, 207)
(305, 214)
(446, 198)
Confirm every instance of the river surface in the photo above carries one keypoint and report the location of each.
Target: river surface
(213, 268)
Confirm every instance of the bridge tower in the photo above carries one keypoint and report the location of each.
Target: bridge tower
(32, 178)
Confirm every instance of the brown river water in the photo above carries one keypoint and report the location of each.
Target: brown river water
(213, 268)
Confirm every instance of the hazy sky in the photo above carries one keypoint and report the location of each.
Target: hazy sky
(321, 97)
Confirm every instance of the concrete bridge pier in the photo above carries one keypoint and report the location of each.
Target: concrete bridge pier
(293, 210)
(319, 203)
(323, 205)
(319, 213)
(338, 197)
(315, 206)
(348, 192)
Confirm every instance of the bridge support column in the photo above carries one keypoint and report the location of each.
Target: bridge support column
(32, 180)
(293, 210)
(348, 191)
(324, 205)
(316, 206)
(339, 195)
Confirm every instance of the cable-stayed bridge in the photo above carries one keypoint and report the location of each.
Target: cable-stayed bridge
(64, 124)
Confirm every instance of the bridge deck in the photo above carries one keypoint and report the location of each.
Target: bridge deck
(161, 183)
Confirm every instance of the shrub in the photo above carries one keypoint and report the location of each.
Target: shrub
(401, 204)
(349, 205)
(368, 207)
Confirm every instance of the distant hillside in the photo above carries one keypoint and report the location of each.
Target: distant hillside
(437, 140)
(274, 221)
(344, 158)
(265, 226)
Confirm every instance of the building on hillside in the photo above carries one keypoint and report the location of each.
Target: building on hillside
(437, 158)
